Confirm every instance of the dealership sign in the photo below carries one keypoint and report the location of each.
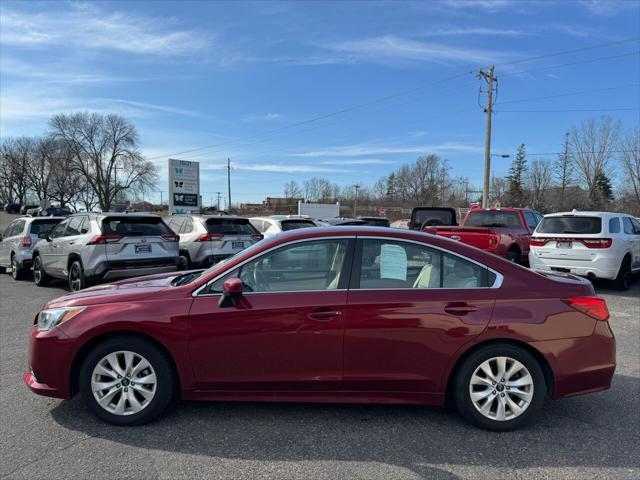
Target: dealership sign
(184, 186)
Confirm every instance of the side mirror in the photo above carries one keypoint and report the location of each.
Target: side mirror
(231, 292)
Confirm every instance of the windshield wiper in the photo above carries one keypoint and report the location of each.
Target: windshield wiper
(186, 278)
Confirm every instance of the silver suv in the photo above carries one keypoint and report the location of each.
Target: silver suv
(207, 239)
(17, 242)
(88, 247)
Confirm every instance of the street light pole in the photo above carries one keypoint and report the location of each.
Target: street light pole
(490, 79)
(355, 203)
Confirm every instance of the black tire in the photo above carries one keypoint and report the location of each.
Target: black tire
(513, 256)
(184, 263)
(75, 277)
(623, 279)
(2, 269)
(161, 367)
(17, 273)
(462, 395)
(40, 277)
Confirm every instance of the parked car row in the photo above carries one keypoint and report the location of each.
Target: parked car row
(589, 244)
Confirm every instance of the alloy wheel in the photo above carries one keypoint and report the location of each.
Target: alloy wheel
(37, 272)
(123, 383)
(14, 268)
(75, 278)
(501, 388)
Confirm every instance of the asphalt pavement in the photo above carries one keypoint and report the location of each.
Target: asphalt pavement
(593, 436)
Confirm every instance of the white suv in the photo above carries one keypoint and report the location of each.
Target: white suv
(590, 244)
(275, 224)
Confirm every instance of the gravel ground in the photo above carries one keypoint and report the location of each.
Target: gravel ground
(595, 436)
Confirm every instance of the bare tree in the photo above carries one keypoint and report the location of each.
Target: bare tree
(630, 157)
(105, 152)
(539, 180)
(563, 172)
(292, 190)
(43, 162)
(317, 189)
(15, 155)
(591, 146)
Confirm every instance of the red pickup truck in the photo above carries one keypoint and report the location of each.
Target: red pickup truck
(503, 231)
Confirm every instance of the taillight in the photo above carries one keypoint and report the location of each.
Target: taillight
(170, 237)
(102, 239)
(597, 242)
(595, 307)
(207, 237)
(538, 242)
(25, 242)
(257, 236)
(493, 240)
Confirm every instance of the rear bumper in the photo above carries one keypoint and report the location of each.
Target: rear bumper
(134, 268)
(601, 267)
(581, 365)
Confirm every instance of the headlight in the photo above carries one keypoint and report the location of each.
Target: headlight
(47, 319)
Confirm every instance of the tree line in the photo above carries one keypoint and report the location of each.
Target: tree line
(593, 154)
(86, 159)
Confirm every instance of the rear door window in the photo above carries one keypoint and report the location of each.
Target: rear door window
(134, 226)
(532, 221)
(295, 224)
(570, 225)
(230, 226)
(628, 226)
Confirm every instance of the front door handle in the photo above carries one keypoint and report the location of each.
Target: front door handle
(460, 308)
(324, 314)
(71, 243)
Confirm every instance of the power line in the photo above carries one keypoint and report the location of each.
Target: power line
(570, 64)
(570, 110)
(568, 94)
(581, 152)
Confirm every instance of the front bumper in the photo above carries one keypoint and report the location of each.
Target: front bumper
(51, 355)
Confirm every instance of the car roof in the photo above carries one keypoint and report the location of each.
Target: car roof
(116, 214)
(586, 213)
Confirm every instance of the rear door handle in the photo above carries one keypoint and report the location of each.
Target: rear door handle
(460, 308)
(324, 314)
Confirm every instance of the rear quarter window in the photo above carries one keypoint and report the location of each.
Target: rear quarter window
(134, 227)
(570, 225)
(614, 225)
(493, 218)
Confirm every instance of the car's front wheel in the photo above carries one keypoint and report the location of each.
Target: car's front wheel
(40, 277)
(499, 387)
(126, 381)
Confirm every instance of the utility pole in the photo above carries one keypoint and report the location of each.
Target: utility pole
(355, 203)
(228, 183)
(564, 169)
(219, 194)
(491, 82)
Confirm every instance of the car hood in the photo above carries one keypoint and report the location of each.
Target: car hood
(128, 290)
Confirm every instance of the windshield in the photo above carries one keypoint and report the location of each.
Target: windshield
(230, 226)
(575, 225)
(493, 218)
(295, 224)
(134, 226)
(376, 222)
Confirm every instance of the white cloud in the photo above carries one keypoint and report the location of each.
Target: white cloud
(262, 117)
(86, 26)
(161, 108)
(361, 150)
(362, 161)
(482, 4)
(272, 167)
(393, 50)
(444, 32)
(607, 8)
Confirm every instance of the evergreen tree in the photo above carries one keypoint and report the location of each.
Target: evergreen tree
(602, 189)
(516, 178)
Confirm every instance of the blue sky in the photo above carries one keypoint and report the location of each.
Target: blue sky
(194, 74)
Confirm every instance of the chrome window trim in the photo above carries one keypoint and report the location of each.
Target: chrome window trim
(496, 284)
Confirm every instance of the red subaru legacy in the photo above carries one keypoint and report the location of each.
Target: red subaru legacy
(349, 314)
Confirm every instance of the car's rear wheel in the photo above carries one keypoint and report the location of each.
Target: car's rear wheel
(16, 271)
(40, 277)
(77, 279)
(623, 279)
(183, 261)
(126, 381)
(499, 387)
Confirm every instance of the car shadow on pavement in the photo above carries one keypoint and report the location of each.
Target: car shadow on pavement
(597, 431)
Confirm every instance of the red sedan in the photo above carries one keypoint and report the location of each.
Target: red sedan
(350, 314)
